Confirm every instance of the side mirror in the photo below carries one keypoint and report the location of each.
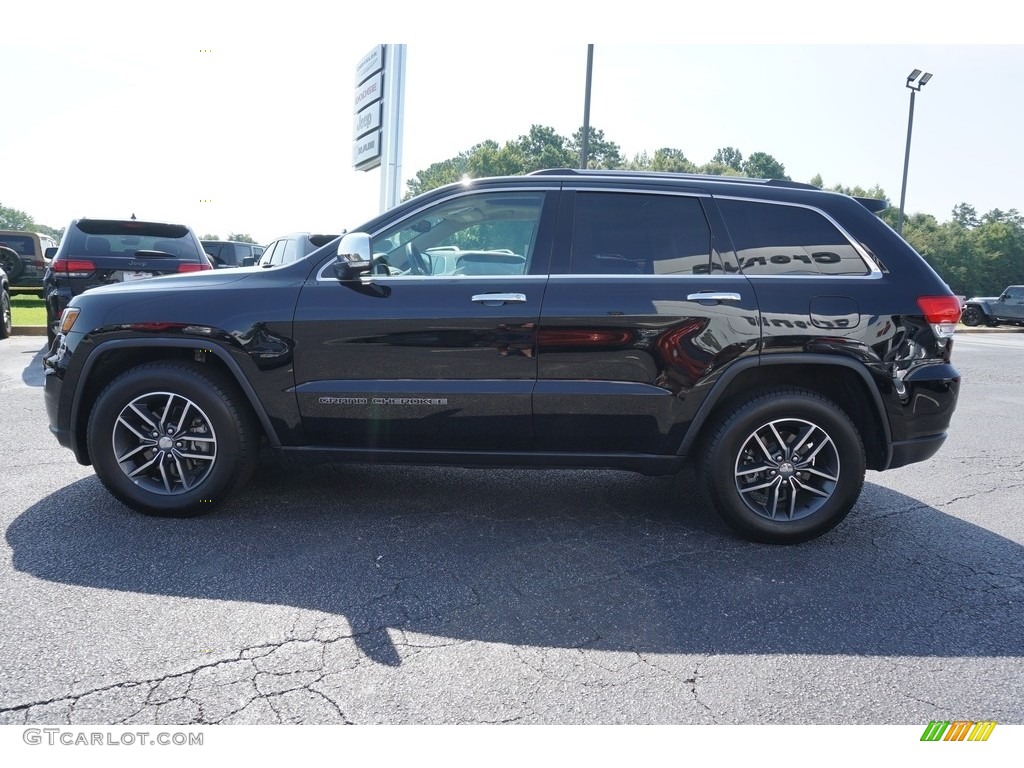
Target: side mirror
(354, 256)
(49, 253)
(248, 261)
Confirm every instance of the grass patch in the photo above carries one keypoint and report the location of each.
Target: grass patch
(27, 309)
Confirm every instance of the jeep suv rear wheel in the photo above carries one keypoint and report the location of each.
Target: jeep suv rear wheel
(784, 467)
(172, 439)
(972, 317)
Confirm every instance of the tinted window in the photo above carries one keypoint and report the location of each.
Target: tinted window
(22, 244)
(639, 234)
(217, 252)
(774, 239)
(125, 239)
(477, 235)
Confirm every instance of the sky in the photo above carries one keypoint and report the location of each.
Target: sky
(231, 118)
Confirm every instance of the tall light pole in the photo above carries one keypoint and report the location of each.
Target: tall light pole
(916, 80)
(584, 151)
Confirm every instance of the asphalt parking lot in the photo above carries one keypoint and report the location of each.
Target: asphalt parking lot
(376, 594)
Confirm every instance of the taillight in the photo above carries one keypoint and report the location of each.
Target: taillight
(74, 267)
(941, 312)
(193, 267)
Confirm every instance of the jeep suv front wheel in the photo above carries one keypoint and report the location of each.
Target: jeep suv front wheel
(171, 439)
(784, 467)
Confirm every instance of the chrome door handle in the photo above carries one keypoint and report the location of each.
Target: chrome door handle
(714, 296)
(494, 299)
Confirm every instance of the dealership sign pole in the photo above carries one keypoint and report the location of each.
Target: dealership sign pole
(379, 114)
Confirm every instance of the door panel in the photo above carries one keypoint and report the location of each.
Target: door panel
(641, 323)
(436, 350)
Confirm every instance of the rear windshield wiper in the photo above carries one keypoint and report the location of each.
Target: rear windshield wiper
(154, 255)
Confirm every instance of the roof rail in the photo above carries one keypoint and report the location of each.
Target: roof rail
(670, 175)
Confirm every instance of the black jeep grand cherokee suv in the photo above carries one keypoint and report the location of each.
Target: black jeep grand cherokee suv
(783, 338)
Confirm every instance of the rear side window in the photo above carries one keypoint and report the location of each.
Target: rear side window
(778, 239)
(23, 245)
(639, 234)
(105, 238)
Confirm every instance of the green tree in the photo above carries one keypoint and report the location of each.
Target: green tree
(601, 153)
(542, 147)
(761, 165)
(238, 238)
(664, 160)
(719, 169)
(210, 237)
(669, 160)
(11, 218)
(875, 192)
(729, 156)
(438, 174)
(965, 215)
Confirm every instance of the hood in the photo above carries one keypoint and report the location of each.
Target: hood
(189, 281)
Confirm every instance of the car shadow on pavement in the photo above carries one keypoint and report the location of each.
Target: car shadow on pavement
(589, 559)
(32, 375)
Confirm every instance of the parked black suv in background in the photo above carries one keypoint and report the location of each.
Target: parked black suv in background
(96, 252)
(782, 338)
(230, 253)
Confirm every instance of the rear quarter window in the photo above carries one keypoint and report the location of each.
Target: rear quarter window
(781, 239)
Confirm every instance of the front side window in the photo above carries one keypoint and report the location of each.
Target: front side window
(639, 234)
(778, 239)
(487, 234)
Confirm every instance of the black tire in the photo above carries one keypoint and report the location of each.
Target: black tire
(135, 429)
(757, 479)
(6, 323)
(11, 263)
(972, 316)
